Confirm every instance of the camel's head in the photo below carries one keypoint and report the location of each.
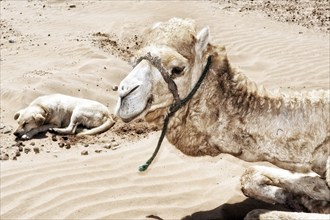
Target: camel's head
(183, 54)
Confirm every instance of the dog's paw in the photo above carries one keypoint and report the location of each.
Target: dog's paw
(25, 137)
(52, 130)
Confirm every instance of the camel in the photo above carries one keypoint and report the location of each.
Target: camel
(231, 114)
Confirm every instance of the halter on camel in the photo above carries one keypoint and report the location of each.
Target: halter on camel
(178, 103)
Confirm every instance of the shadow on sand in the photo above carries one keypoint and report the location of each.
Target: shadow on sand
(41, 135)
(235, 211)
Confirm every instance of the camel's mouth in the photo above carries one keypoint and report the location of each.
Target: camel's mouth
(137, 114)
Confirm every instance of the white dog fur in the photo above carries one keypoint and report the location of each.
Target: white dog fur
(62, 114)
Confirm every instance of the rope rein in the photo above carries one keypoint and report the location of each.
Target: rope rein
(178, 103)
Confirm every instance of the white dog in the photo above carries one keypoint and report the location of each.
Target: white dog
(62, 114)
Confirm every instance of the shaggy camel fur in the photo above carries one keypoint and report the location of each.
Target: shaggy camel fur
(230, 114)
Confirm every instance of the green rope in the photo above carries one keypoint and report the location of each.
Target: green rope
(175, 107)
(161, 138)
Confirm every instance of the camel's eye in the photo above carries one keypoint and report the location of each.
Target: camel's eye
(176, 71)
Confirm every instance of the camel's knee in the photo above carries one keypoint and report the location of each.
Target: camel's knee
(252, 179)
(257, 184)
(248, 183)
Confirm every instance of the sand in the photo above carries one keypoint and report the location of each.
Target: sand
(81, 48)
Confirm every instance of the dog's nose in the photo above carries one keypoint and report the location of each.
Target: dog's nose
(16, 133)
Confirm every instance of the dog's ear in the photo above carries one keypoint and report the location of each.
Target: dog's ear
(17, 114)
(39, 119)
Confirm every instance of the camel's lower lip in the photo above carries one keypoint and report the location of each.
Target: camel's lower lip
(126, 120)
(148, 105)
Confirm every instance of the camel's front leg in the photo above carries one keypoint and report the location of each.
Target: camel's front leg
(262, 214)
(301, 192)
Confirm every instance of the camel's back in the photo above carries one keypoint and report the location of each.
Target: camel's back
(295, 132)
(312, 107)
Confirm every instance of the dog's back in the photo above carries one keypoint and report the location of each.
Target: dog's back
(65, 104)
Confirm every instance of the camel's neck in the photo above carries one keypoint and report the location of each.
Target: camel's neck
(230, 114)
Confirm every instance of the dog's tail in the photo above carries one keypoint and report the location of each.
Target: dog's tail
(97, 130)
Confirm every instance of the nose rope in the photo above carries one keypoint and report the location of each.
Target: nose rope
(156, 62)
(178, 103)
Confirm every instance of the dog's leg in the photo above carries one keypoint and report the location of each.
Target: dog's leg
(35, 131)
(301, 192)
(71, 129)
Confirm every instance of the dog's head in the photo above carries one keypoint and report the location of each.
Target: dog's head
(28, 119)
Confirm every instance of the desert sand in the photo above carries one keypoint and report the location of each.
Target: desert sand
(82, 48)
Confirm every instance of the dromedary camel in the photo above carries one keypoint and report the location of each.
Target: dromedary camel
(230, 114)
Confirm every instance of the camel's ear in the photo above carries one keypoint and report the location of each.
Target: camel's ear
(17, 114)
(39, 119)
(202, 39)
